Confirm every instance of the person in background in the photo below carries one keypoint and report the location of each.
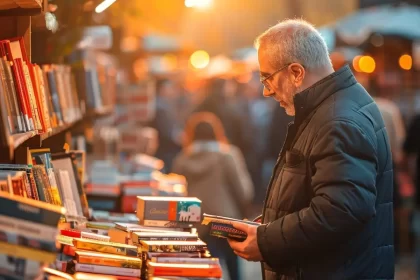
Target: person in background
(215, 102)
(412, 163)
(328, 212)
(216, 174)
(166, 122)
(256, 112)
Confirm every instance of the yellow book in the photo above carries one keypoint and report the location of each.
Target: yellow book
(26, 253)
(105, 247)
(107, 259)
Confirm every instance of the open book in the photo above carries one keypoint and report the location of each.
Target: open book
(222, 227)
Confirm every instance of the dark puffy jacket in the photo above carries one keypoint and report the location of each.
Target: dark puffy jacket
(328, 212)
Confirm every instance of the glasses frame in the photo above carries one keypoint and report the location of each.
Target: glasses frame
(264, 80)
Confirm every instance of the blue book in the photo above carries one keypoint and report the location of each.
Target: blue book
(30, 210)
(54, 95)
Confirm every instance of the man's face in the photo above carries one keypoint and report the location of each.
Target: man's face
(281, 85)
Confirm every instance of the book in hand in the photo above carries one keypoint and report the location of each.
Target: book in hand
(222, 227)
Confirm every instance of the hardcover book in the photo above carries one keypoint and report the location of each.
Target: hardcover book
(222, 227)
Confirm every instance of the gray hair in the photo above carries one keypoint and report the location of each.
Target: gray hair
(295, 40)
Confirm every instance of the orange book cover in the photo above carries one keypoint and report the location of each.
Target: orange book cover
(185, 270)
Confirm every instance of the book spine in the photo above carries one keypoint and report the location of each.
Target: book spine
(171, 238)
(27, 185)
(27, 228)
(24, 211)
(212, 271)
(67, 195)
(53, 186)
(109, 262)
(32, 97)
(107, 270)
(94, 236)
(42, 97)
(21, 97)
(32, 183)
(150, 255)
(17, 186)
(25, 241)
(173, 248)
(210, 261)
(54, 96)
(11, 114)
(168, 224)
(69, 250)
(26, 253)
(225, 230)
(25, 92)
(110, 249)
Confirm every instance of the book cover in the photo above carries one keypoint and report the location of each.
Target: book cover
(150, 255)
(177, 209)
(29, 209)
(105, 247)
(92, 276)
(222, 227)
(109, 270)
(19, 268)
(84, 257)
(28, 228)
(167, 224)
(213, 261)
(185, 270)
(27, 241)
(137, 237)
(26, 253)
(172, 246)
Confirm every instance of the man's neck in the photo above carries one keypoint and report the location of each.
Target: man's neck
(316, 75)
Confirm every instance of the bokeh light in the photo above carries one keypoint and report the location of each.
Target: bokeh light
(406, 62)
(367, 64)
(200, 59)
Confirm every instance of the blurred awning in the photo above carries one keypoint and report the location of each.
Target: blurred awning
(401, 20)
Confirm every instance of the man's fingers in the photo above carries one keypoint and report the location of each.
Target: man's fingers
(240, 226)
(235, 245)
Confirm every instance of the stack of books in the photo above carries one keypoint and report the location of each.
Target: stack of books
(28, 231)
(35, 98)
(171, 253)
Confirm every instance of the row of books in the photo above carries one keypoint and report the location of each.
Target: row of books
(36, 98)
(52, 178)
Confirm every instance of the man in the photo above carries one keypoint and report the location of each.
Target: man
(328, 210)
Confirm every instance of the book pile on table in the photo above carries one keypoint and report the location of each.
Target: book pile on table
(28, 230)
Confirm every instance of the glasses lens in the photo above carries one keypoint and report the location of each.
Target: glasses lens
(265, 83)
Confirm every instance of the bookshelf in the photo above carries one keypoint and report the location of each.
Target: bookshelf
(20, 7)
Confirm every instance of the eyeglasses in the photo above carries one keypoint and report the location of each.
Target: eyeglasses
(264, 81)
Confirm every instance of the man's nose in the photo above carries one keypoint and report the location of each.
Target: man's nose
(267, 92)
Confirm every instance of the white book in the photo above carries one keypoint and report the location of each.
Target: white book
(110, 270)
(27, 228)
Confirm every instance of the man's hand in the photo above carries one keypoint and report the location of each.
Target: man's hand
(248, 249)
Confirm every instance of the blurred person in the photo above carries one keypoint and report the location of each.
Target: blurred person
(166, 122)
(328, 212)
(411, 162)
(256, 112)
(216, 102)
(216, 174)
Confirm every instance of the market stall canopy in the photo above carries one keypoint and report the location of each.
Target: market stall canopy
(401, 20)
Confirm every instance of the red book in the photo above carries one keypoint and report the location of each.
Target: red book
(71, 233)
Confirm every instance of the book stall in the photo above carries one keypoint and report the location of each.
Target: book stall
(144, 224)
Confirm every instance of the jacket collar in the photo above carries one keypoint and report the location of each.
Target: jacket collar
(308, 100)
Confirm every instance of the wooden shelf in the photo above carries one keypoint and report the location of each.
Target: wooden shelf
(20, 7)
(20, 138)
(33, 139)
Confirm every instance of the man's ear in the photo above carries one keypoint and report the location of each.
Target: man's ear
(298, 73)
